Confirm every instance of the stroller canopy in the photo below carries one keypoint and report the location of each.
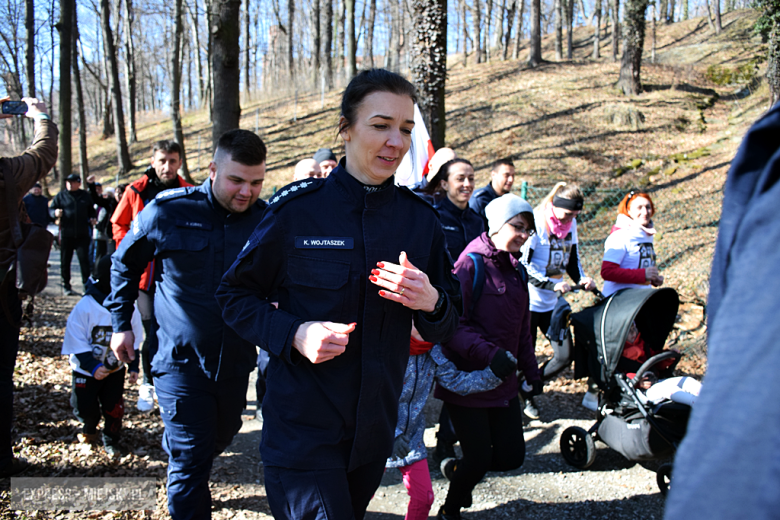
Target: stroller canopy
(603, 329)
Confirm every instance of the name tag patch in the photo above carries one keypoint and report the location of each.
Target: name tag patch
(193, 224)
(324, 242)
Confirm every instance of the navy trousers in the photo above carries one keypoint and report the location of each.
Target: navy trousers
(322, 494)
(201, 417)
(9, 345)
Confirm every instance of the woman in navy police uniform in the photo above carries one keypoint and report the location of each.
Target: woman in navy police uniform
(353, 260)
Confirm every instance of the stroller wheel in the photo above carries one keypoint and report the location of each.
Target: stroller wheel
(578, 447)
(664, 478)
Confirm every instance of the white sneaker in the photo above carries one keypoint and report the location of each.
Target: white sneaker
(146, 398)
(591, 401)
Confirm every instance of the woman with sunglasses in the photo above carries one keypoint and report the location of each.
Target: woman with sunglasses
(549, 254)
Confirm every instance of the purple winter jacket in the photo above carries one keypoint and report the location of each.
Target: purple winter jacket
(501, 319)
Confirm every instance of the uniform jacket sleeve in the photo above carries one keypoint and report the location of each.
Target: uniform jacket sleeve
(245, 292)
(128, 264)
(464, 383)
(438, 329)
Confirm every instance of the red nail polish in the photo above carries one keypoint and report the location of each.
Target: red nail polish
(375, 271)
(380, 265)
(372, 278)
(381, 293)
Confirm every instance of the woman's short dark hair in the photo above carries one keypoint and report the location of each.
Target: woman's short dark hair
(370, 81)
(443, 174)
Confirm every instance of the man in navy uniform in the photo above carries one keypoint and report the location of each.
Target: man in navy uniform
(201, 369)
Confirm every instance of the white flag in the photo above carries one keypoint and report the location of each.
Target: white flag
(414, 165)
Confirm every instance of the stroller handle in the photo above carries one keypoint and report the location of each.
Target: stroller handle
(579, 287)
(647, 365)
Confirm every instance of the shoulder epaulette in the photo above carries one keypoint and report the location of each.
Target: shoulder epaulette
(173, 193)
(294, 190)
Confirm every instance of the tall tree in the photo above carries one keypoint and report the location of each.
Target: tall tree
(558, 30)
(519, 38)
(315, 51)
(486, 33)
(718, 24)
(290, 40)
(123, 154)
(178, 131)
(351, 43)
(130, 80)
(64, 26)
(429, 64)
(476, 18)
(510, 20)
(465, 33)
(370, 32)
(596, 31)
(192, 10)
(29, 27)
(630, 81)
(569, 29)
(83, 158)
(535, 44)
(247, 47)
(768, 26)
(615, 29)
(327, 50)
(226, 110)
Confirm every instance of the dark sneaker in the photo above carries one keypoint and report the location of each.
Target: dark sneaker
(70, 292)
(455, 515)
(447, 467)
(530, 409)
(16, 466)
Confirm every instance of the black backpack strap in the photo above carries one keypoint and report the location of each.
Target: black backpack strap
(479, 279)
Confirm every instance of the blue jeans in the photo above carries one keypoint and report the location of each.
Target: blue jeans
(9, 346)
(201, 417)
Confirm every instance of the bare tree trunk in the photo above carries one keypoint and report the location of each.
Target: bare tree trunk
(535, 45)
(370, 33)
(510, 20)
(519, 38)
(340, 35)
(130, 81)
(630, 81)
(315, 51)
(465, 33)
(247, 46)
(83, 159)
(226, 110)
(290, 40)
(685, 9)
(559, 30)
(773, 64)
(709, 17)
(64, 26)
(476, 15)
(192, 10)
(597, 31)
(486, 34)
(718, 24)
(615, 29)
(500, 29)
(178, 131)
(328, 48)
(210, 13)
(569, 28)
(670, 18)
(663, 7)
(29, 27)
(123, 154)
(351, 44)
(401, 40)
(652, 28)
(429, 64)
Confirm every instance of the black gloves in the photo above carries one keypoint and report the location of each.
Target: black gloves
(401, 447)
(538, 387)
(503, 364)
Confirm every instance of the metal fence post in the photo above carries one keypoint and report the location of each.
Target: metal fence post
(524, 190)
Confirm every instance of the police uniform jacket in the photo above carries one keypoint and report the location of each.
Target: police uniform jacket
(314, 251)
(460, 226)
(194, 240)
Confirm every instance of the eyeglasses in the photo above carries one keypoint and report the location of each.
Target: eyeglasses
(522, 229)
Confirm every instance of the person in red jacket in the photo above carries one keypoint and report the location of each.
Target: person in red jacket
(163, 174)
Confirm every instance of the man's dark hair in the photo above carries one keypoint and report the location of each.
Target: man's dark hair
(167, 146)
(367, 82)
(243, 146)
(502, 162)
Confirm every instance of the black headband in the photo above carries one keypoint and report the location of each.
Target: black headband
(570, 204)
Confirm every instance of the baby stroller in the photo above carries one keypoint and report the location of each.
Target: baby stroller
(627, 422)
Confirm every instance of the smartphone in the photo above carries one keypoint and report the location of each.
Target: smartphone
(17, 108)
